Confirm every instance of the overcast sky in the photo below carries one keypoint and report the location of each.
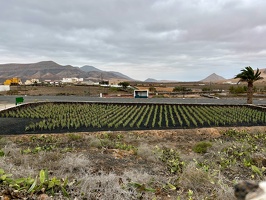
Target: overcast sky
(182, 40)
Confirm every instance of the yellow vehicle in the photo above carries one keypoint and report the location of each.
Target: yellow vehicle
(13, 81)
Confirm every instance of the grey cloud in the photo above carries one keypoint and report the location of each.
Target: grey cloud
(165, 38)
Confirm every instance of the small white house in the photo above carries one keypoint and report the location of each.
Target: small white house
(4, 88)
(72, 80)
(141, 93)
(32, 81)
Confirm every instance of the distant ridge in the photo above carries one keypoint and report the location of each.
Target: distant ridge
(42, 70)
(213, 78)
(122, 75)
(151, 80)
(50, 70)
(87, 68)
(91, 69)
(263, 73)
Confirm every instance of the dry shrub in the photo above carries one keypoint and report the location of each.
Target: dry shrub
(114, 187)
(133, 137)
(202, 183)
(17, 171)
(196, 180)
(94, 142)
(17, 166)
(73, 165)
(13, 152)
(103, 186)
(70, 137)
(46, 160)
(88, 137)
(11, 149)
(51, 156)
(223, 190)
(146, 152)
(3, 141)
(5, 164)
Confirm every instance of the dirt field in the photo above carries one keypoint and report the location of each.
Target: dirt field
(67, 90)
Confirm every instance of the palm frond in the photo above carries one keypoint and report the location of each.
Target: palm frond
(248, 75)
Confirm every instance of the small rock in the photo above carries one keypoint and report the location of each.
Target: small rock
(5, 197)
(259, 159)
(43, 197)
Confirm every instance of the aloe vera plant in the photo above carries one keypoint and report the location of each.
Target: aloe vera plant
(41, 183)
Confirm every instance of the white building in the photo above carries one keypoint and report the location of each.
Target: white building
(4, 88)
(141, 93)
(72, 80)
(32, 81)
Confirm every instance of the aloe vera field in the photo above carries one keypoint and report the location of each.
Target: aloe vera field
(84, 117)
(110, 151)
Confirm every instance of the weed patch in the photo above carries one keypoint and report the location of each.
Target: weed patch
(202, 147)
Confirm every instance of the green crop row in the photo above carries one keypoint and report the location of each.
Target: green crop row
(67, 116)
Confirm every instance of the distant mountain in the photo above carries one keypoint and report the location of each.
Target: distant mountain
(122, 75)
(104, 75)
(151, 80)
(49, 70)
(213, 78)
(263, 74)
(41, 70)
(88, 68)
(118, 75)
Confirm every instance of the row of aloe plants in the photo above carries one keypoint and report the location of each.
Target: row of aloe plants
(54, 116)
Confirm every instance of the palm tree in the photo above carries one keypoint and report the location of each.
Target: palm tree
(250, 76)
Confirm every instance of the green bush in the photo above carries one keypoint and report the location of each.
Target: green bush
(172, 159)
(201, 147)
(73, 136)
(2, 153)
(238, 89)
(181, 89)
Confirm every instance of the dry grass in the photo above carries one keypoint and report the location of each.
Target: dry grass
(98, 167)
(202, 182)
